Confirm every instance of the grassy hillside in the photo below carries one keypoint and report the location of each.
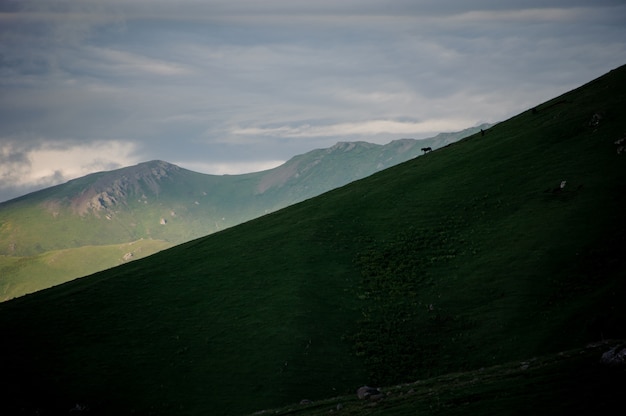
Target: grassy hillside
(160, 201)
(151, 200)
(58, 266)
(471, 256)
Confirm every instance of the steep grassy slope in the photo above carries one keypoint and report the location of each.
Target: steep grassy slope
(468, 257)
(160, 201)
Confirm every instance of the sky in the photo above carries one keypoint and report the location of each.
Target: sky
(235, 86)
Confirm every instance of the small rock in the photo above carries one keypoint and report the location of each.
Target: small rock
(79, 407)
(616, 356)
(366, 392)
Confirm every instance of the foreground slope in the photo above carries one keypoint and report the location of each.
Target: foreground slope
(471, 256)
(168, 204)
(580, 381)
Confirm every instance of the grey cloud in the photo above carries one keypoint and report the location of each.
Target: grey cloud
(14, 162)
(10, 189)
(13, 157)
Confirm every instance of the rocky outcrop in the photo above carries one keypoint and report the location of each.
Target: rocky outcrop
(615, 357)
(369, 393)
(116, 187)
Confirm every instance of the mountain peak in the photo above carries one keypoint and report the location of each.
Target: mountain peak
(347, 146)
(109, 189)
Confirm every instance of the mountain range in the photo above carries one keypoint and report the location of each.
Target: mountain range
(485, 277)
(108, 218)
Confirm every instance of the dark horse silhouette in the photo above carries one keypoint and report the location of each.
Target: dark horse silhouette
(426, 149)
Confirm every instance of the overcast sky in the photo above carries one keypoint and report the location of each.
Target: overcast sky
(230, 86)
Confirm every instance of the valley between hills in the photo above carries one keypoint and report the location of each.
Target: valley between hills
(485, 277)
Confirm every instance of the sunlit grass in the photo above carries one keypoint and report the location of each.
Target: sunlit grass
(28, 274)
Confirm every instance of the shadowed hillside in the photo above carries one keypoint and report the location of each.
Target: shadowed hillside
(493, 250)
(579, 381)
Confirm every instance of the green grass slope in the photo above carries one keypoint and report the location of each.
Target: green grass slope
(160, 201)
(154, 200)
(469, 257)
(22, 275)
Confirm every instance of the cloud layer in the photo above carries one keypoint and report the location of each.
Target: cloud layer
(231, 86)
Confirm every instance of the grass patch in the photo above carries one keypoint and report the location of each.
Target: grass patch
(23, 275)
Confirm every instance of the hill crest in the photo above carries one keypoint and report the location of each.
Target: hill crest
(157, 200)
(115, 187)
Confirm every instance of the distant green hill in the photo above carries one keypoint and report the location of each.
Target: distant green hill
(163, 202)
(495, 249)
(29, 274)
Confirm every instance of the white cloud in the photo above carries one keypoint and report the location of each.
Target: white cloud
(366, 129)
(521, 15)
(52, 163)
(127, 63)
(81, 159)
(229, 168)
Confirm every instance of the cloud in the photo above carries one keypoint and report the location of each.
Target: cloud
(123, 63)
(28, 169)
(230, 168)
(79, 160)
(363, 129)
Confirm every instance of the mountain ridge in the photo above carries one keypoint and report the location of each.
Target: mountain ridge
(161, 201)
(139, 170)
(104, 190)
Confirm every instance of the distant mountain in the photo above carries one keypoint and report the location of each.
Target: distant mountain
(160, 201)
(321, 170)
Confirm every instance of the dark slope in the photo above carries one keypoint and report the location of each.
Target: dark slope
(572, 382)
(468, 257)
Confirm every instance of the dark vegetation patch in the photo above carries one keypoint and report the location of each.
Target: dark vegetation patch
(569, 382)
(403, 331)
